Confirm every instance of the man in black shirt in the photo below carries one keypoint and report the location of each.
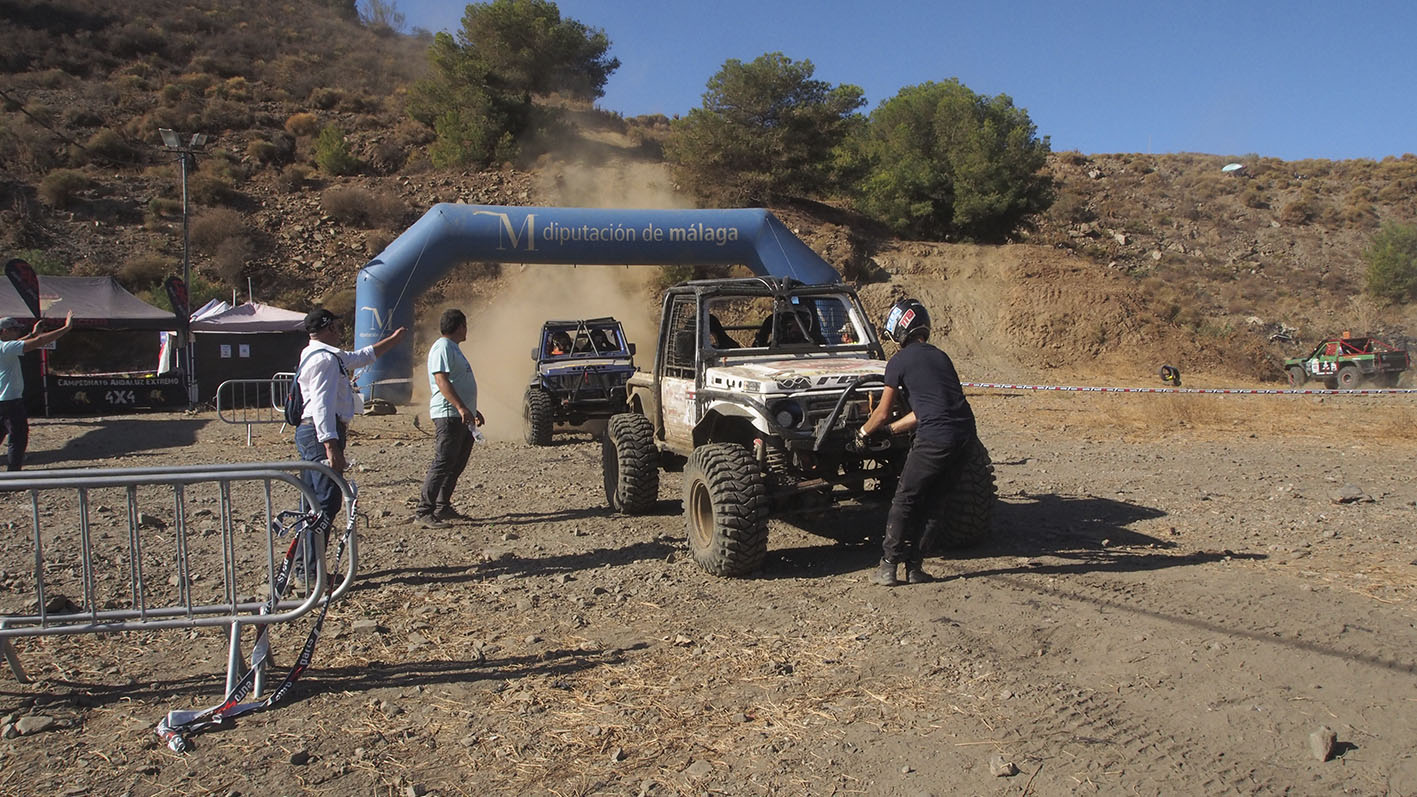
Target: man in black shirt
(944, 430)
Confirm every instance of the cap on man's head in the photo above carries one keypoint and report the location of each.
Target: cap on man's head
(11, 322)
(318, 319)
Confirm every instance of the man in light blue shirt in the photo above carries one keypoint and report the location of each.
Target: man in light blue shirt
(452, 404)
(14, 420)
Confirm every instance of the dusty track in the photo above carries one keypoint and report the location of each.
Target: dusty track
(1169, 607)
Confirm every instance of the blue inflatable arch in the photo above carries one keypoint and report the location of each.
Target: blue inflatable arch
(449, 234)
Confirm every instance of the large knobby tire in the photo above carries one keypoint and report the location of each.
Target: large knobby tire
(630, 464)
(537, 417)
(964, 515)
(726, 509)
(1349, 376)
(1297, 377)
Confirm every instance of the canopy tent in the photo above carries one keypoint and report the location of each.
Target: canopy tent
(250, 317)
(450, 234)
(105, 316)
(248, 341)
(95, 301)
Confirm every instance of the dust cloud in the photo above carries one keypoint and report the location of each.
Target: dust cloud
(504, 322)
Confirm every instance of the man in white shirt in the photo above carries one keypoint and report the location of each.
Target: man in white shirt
(330, 401)
(14, 344)
(452, 404)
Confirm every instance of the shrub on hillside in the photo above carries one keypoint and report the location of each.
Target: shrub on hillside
(61, 187)
(145, 270)
(262, 152)
(230, 258)
(207, 189)
(358, 207)
(325, 97)
(302, 124)
(164, 207)
(1298, 212)
(212, 227)
(292, 178)
(233, 88)
(44, 261)
(220, 115)
(108, 145)
(1392, 263)
(332, 153)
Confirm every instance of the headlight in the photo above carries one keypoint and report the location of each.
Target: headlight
(788, 414)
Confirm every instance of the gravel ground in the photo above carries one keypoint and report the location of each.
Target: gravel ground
(1177, 597)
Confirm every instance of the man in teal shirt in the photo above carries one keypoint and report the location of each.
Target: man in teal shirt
(14, 420)
(452, 404)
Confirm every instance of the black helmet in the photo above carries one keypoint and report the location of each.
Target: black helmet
(906, 318)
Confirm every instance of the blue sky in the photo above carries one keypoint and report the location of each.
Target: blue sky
(1290, 80)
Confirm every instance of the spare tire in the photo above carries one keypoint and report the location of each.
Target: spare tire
(964, 514)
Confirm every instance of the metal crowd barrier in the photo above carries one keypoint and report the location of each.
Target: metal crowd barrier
(75, 556)
(253, 401)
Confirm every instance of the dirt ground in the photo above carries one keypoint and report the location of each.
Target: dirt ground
(1180, 592)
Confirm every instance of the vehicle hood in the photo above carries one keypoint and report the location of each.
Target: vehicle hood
(792, 375)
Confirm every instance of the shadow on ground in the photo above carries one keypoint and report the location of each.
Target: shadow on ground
(1056, 534)
(106, 438)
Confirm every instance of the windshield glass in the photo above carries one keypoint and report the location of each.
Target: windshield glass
(582, 339)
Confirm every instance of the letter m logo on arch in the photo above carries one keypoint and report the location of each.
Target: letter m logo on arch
(507, 231)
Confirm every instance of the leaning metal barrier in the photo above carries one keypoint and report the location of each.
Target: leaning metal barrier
(253, 401)
(151, 578)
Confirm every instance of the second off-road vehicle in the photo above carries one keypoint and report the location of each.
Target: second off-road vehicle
(1345, 362)
(580, 375)
(758, 388)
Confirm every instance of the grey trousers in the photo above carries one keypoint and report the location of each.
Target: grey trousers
(452, 444)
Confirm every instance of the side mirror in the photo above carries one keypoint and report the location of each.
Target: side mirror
(630, 347)
(535, 353)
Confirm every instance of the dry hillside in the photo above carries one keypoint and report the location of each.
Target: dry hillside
(1142, 259)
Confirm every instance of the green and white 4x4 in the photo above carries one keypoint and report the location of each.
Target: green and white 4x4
(1346, 362)
(758, 388)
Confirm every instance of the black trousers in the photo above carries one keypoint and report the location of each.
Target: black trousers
(930, 468)
(452, 444)
(15, 424)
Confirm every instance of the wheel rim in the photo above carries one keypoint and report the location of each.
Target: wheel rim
(700, 512)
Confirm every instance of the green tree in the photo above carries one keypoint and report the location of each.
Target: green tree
(766, 129)
(332, 153)
(478, 97)
(1392, 262)
(942, 161)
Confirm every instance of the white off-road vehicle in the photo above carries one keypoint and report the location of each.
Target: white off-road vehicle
(758, 388)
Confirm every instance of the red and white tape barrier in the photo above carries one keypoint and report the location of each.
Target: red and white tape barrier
(1222, 390)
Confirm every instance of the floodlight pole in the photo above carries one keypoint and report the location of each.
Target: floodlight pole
(186, 153)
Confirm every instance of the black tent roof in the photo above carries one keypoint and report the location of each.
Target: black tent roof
(95, 302)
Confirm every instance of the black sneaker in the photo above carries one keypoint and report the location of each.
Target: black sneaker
(884, 574)
(452, 516)
(430, 522)
(915, 574)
